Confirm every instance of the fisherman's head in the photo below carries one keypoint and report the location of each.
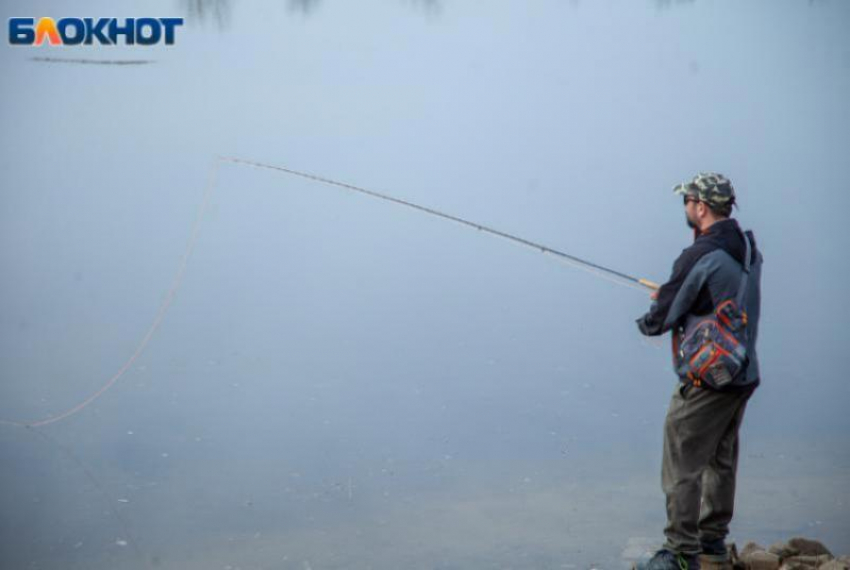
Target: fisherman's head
(708, 198)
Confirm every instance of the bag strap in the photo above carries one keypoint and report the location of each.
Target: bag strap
(742, 288)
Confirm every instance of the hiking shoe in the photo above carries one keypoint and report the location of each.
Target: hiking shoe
(666, 560)
(715, 555)
(715, 550)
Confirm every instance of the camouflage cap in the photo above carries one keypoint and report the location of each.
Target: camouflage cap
(710, 187)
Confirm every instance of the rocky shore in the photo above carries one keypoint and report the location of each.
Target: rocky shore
(795, 554)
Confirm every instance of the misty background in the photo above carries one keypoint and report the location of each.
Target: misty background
(343, 383)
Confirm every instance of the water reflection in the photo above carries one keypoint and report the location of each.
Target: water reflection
(663, 4)
(303, 6)
(219, 10)
(86, 61)
(204, 10)
(430, 7)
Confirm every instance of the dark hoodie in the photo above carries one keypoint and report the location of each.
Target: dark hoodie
(706, 274)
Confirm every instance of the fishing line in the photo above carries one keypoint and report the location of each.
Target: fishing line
(601, 271)
(160, 314)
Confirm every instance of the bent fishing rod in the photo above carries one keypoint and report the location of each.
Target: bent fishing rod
(583, 263)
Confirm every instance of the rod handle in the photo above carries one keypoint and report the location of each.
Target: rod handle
(649, 284)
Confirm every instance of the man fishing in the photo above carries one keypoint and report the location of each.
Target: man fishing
(711, 306)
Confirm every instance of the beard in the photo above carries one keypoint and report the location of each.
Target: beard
(690, 222)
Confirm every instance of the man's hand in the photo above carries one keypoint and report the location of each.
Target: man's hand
(654, 295)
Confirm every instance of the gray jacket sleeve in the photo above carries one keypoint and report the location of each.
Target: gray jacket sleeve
(676, 297)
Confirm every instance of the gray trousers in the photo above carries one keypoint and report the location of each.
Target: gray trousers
(699, 465)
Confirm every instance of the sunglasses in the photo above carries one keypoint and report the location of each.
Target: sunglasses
(691, 199)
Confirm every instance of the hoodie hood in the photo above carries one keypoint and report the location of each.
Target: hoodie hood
(727, 235)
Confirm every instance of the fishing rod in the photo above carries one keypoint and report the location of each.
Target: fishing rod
(481, 227)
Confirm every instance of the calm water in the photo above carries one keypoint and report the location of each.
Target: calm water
(345, 384)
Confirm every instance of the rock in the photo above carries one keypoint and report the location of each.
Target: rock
(842, 563)
(709, 564)
(806, 561)
(760, 560)
(734, 563)
(712, 565)
(808, 547)
(751, 547)
(783, 550)
(795, 566)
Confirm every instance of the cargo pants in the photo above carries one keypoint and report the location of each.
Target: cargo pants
(699, 464)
